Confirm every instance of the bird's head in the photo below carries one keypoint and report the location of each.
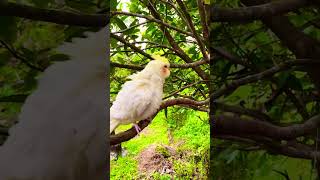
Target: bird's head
(160, 65)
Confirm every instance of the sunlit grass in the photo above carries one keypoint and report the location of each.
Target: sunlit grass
(155, 133)
(195, 134)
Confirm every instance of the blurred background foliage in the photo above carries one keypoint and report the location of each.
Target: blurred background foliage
(257, 45)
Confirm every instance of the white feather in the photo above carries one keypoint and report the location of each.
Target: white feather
(60, 134)
(138, 98)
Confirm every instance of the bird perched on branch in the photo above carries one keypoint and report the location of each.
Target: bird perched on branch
(140, 97)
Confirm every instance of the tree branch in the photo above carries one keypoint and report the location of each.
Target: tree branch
(237, 126)
(127, 66)
(155, 44)
(299, 105)
(218, 14)
(293, 149)
(133, 47)
(302, 45)
(230, 57)
(129, 134)
(178, 66)
(240, 110)
(151, 19)
(193, 29)
(267, 73)
(22, 59)
(182, 88)
(175, 46)
(54, 16)
(203, 18)
(131, 27)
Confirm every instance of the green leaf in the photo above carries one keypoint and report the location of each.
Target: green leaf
(232, 156)
(113, 5)
(166, 113)
(120, 23)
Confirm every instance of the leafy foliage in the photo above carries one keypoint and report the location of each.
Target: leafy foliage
(283, 97)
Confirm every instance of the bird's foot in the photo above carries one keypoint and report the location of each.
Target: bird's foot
(138, 129)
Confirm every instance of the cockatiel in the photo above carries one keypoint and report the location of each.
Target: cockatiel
(140, 97)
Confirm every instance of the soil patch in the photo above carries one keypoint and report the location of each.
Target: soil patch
(156, 158)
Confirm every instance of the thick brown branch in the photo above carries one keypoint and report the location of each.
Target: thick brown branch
(203, 18)
(129, 134)
(218, 14)
(302, 45)
(295, 150)
(237, 126)
(54, 16)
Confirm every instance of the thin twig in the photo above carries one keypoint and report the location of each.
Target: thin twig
(193, 30)
(22, 59)
(269, 72)
(151, 19)
(175, 46)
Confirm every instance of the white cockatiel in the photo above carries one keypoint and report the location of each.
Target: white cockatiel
(140, 97)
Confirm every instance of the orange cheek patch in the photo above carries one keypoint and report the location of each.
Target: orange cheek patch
(164, 71)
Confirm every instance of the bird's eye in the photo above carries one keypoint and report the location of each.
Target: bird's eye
(165, 66)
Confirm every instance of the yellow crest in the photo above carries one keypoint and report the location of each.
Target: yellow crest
(160, 58)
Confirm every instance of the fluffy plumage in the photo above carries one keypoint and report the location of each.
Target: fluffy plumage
(60, 134)
(140, 97)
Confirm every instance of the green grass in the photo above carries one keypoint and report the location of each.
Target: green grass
(193, 130)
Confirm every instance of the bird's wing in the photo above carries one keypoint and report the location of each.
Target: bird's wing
(132, 101)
